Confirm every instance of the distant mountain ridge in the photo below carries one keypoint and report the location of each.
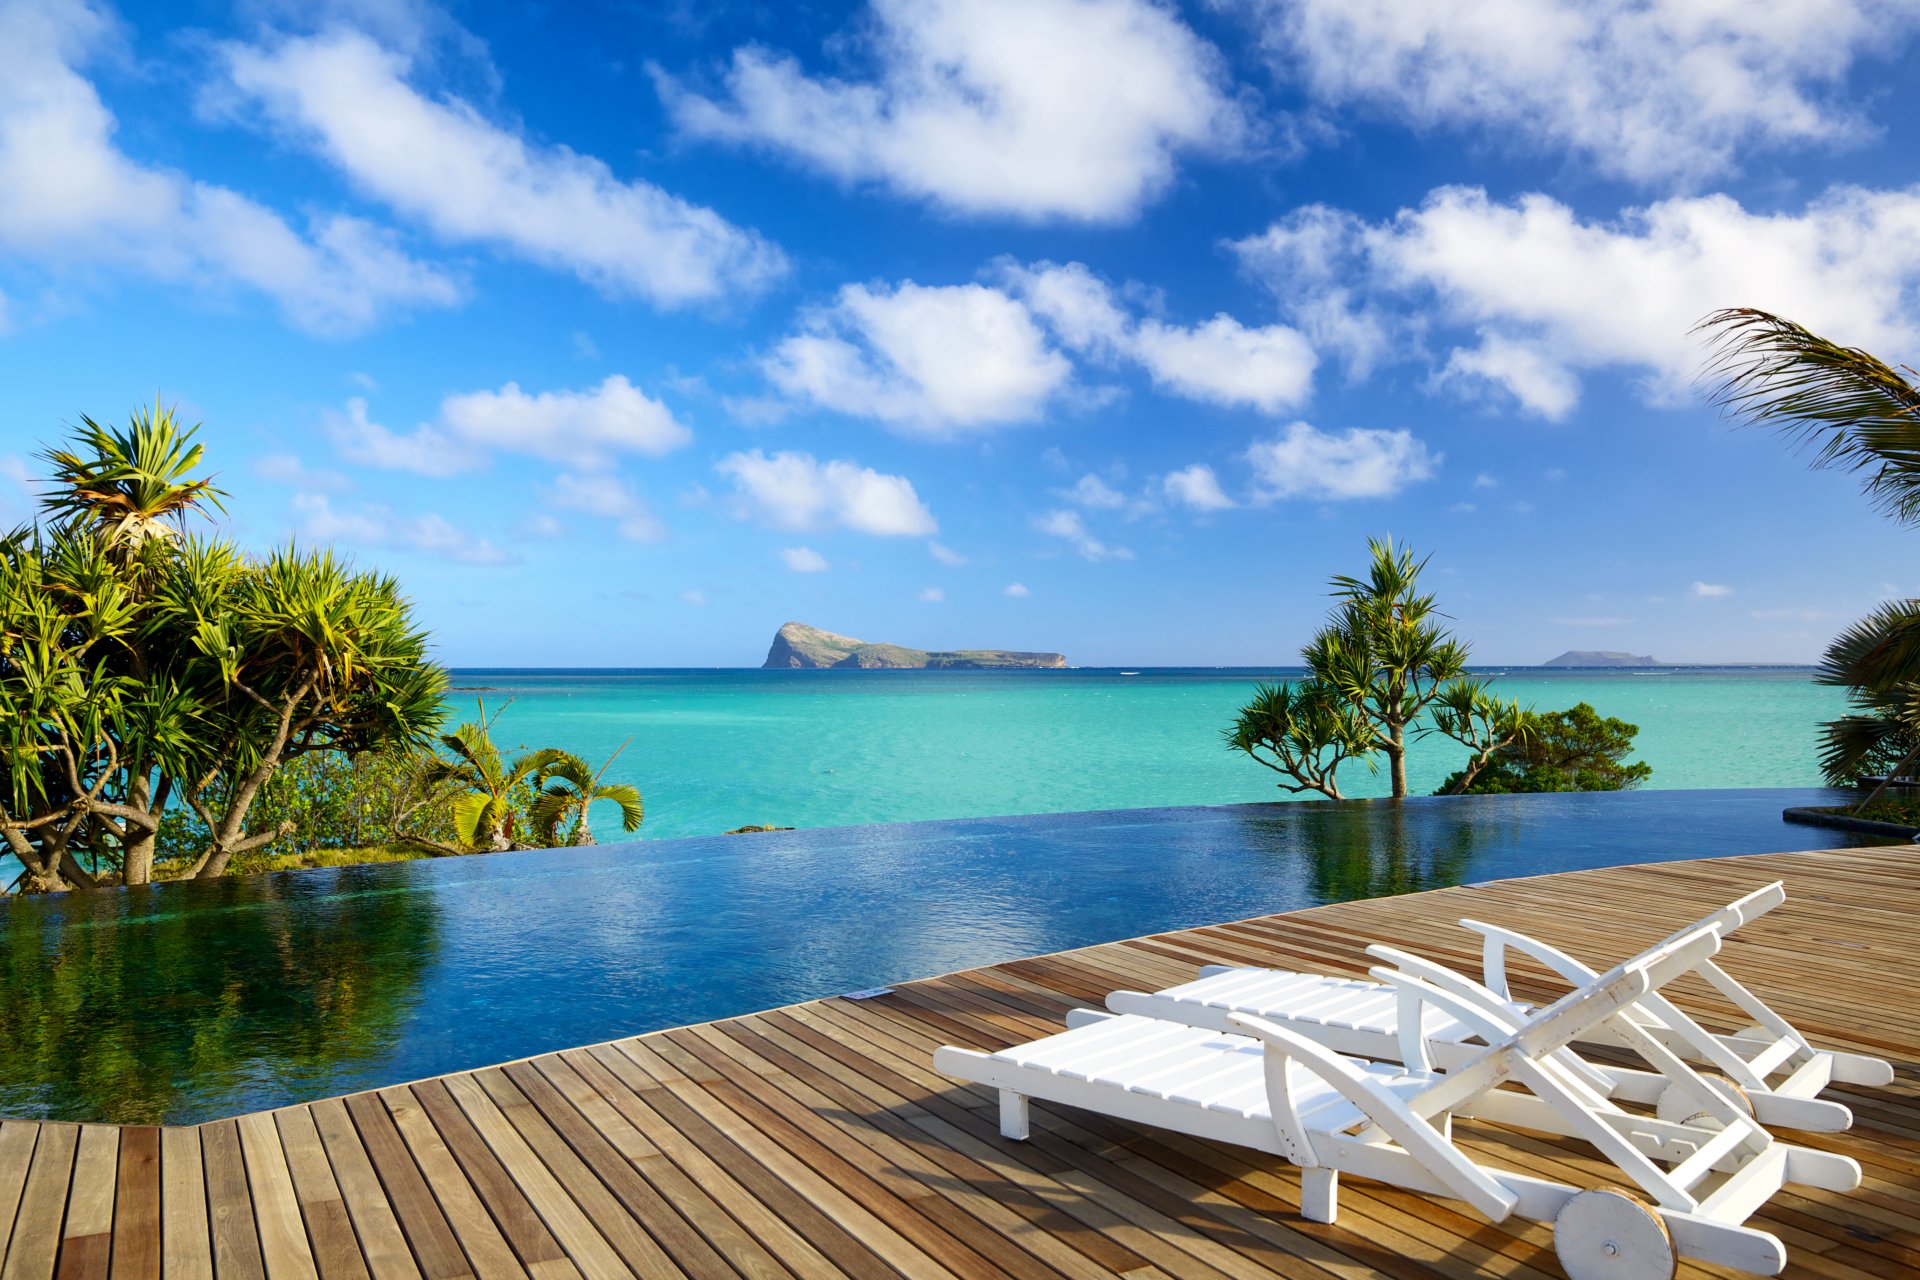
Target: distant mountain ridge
(797, 645)
(1602, 658)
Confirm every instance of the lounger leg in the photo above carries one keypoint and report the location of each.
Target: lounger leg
(1013, 1115)
(1319, 1194)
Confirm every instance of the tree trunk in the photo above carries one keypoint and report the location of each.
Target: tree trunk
(1396, 750)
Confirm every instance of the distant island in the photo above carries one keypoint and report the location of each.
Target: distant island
(798, 645)
(1602, 658)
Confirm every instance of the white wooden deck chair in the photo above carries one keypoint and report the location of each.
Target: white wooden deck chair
(1359, 1017)
(1276, 1091)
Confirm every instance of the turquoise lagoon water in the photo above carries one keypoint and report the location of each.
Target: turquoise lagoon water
(719, 749)
(190, 1001)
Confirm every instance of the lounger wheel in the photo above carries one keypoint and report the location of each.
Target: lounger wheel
(1610, 1235)
(1677, 1106)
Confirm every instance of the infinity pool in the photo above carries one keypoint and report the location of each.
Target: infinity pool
(192, 1001)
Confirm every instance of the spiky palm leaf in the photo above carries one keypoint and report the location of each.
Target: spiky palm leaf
(133, 484)
(569, 788)
(1860, 413)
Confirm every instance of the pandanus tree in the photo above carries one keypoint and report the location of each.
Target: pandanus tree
(1381, 663)
(1859, 414)
(568, 788)
(142, 667)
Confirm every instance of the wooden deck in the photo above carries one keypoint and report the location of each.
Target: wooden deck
(816, 1140)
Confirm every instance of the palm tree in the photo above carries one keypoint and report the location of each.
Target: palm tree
(131, 485)
(485, 814)
(570, 786)
(1863, 415)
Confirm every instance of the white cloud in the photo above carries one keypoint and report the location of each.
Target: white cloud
(1219, 361)
(603, 494)
(1304, 462)
(68, 195)
(946, 555)
(1709, 590)
(540, 525)
(1035, 108)
(470, 181)
(1312, 260)
(1789, 614)
(578, 428)
(378, 527)
(804, 560)
(1548, 295)
(1072, 529)
(698, 599)
(792, 490)
(290, 470)
(1485, 481)
(1653, 91)
(1093, 492)
(931, 595)
(937, 361)
(1016, 591)
(1196, 487)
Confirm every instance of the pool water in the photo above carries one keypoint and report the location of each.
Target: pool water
(188, 1002)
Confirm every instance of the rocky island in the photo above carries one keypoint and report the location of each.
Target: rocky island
(1602, 658)
(798, 645)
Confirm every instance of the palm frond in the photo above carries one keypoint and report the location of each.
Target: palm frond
(1859, 413)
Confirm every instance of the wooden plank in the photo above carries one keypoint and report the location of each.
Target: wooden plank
(43, 1203)
(17, 1139)
(86, 1239)
(382, 1242)
(336, 1253)
(236, 1237)
(429, 1235)
(137, 1226)
(186, 1241)
(519, 1221)
(472, 1225)
(276, 1207)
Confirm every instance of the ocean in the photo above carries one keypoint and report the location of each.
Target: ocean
(717, 749)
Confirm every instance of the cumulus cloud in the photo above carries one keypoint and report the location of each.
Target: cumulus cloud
(1548, 295)
(1072, 529)
(470, 181)
(1652, 92)
(1305, 462)
(937, 361)
(792, 490)
(1016, 591)
(69, 195)
(1709, 590)
(946, 555)
(1219, 361)
(603, 494)
(377, 527)
(804, 560)
(1196, 487)
(1091, 491)
(581, 429)
(1033, 108)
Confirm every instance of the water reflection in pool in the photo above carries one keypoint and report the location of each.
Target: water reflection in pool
(186, 1002)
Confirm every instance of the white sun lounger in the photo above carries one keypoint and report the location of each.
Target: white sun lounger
(1276, 1091)
(1777, 1071)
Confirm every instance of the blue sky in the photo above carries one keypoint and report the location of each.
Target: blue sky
(623, 334)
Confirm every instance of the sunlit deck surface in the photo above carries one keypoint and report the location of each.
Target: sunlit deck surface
(816, 1140)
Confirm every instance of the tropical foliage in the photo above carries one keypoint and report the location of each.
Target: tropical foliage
(146, 669)
(569, 788)
(1862, 415)
(1571, 750)
(1383, 667)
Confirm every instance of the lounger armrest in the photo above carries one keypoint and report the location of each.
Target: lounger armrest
(1416, 1135)
(1498, 940)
